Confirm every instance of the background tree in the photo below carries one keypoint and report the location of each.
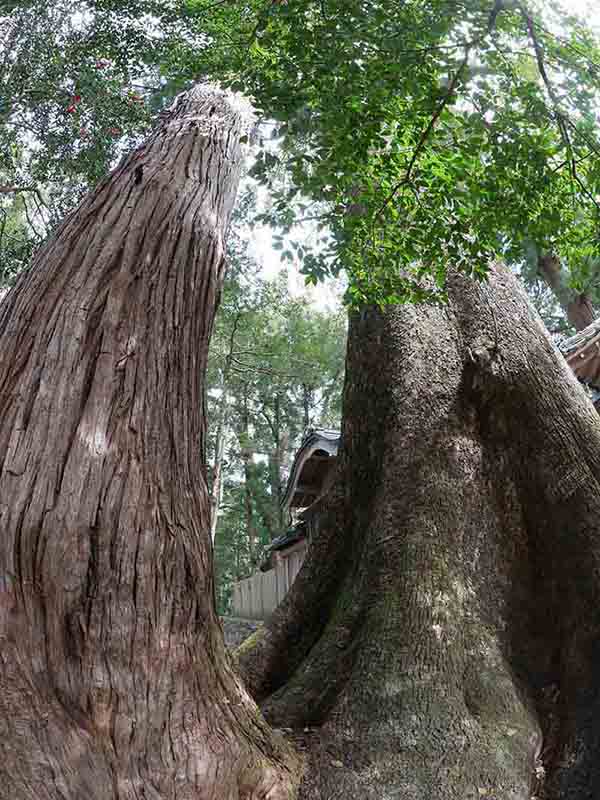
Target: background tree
(18, 239)
(275, 368)
(78, 87)
(114, 680)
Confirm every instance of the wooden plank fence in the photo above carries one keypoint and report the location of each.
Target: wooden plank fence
(259, 595)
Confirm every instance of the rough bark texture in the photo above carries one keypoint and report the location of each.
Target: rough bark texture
(577, 307)
(444, 631)
(114, 682)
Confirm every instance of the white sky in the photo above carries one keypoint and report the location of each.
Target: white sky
(589, 9)
(326, 295)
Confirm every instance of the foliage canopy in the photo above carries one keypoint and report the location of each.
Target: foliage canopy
(413, 133)
(424, 133)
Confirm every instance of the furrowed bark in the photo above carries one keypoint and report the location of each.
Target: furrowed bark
(458, 658)
(114, 682)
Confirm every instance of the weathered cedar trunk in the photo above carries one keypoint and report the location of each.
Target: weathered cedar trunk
(577, 307)
(444, 631)
(114, 682)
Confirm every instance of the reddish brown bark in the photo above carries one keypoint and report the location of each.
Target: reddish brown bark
(443, 631)
(577, 307)
(113, 678)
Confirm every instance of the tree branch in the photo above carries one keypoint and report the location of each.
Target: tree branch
(269, 421)
(16, 189)
(498, 5)
(426, 133)
(562, 121)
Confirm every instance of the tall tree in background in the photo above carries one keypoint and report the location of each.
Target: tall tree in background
(17, 239)
(275, 367)
(470, 463)
(79, 85)
(577, 305)
(113, 678)
(442, 634)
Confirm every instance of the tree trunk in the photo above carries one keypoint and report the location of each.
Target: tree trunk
(247, 453)
(307, 393)
(275, 466)
(577, 307)
(444, 632)
(216, 488)
(114, 682)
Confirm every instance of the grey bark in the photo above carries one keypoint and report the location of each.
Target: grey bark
(443, 632)
(114, 682)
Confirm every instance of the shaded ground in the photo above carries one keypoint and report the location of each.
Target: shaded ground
(236, 630)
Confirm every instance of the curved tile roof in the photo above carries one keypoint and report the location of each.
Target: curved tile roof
(314, 439)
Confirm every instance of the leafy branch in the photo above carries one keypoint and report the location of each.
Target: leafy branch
(562, 121)
(449, 94)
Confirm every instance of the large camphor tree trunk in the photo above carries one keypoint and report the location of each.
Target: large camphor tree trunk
(114, 682)
(444, 632)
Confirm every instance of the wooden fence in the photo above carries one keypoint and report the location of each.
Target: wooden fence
(259, 595)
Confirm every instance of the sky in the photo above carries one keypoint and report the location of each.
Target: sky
(588, 9)
(326, 295)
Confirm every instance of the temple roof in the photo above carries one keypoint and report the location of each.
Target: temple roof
(311, 463)
(582, 353)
